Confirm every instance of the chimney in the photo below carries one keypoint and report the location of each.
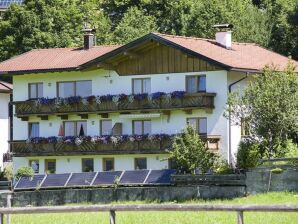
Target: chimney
(88, 37)
(224, 36)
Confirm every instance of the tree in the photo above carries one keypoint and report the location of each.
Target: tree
(134, 24)
(250, 23)
(270, 105)
(190, 153)
(283, 16)
(46, 24)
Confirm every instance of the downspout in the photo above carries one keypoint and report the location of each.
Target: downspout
(230, 123)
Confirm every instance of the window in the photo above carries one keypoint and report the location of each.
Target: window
(106, 127)
(108, 164)
(75, 128)
(141, 86)
(140, 163)
(34, 164)
(141, 127)
(244, 127)
(50, 166)
(200, 124)
(74, 88)
(35, 90)
(87, 165)
(33, 130)
(196, 84)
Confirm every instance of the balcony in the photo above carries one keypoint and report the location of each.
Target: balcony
(146, 145)
(114, 103)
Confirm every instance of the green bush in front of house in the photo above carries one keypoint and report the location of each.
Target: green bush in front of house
(221, 166)
(24, 171)
(248, 155)
(190, 153)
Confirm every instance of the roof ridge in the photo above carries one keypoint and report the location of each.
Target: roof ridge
(200, 38)
(68, 48)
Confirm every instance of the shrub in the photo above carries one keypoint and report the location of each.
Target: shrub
(7, 172)
(24, 171)
(190, 153)
(221, 166)
(248, 155)
(291, 150)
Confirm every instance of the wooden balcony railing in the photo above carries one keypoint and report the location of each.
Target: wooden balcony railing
(23, 148)
(188, 101)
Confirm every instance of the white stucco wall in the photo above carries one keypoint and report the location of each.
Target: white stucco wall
(105, 82)
(236, 130)
(4, 125)
(66, 164)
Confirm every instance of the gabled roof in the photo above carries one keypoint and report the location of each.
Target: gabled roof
(242, 56)
(5, 87)
(53, 59)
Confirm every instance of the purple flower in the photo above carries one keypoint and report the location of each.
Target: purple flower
(74, 99)
(157, 95)
(140, 96)
(106, 97)
(178, 94)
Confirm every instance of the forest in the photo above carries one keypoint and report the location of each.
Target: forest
(58, 23)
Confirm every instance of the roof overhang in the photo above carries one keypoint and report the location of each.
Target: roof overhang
(22, 72)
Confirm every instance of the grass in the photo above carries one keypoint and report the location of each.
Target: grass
(178, 217)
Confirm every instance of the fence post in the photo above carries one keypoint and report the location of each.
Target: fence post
(240, 219)
(112, 217)
(1, 219)
(8, 205)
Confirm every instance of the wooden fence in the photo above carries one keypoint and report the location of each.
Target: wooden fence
(112, 209)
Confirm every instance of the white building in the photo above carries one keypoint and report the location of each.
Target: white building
(174, 80)
(5, 94)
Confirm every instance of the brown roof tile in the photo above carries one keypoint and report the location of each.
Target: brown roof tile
(242, 55)
(246, 56)
(53, 59)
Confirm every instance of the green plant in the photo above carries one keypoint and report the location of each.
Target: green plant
(291, 150)
(24, 171)
(248, 155)
(8, 172)
(269, 104)
(221, 166)
(190, 153)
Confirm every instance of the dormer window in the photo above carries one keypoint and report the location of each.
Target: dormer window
(141, 86)
(195, 84)
(35, 90)
(74, 88)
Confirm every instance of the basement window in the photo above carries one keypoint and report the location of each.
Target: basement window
(87, 165)
(140, 163)
(108, 164)
(50, 166)
(34, 164)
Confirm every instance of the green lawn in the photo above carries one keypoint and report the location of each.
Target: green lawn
(178, 217)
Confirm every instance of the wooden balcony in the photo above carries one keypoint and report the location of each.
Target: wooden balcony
(21, 148)
(28, 108)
